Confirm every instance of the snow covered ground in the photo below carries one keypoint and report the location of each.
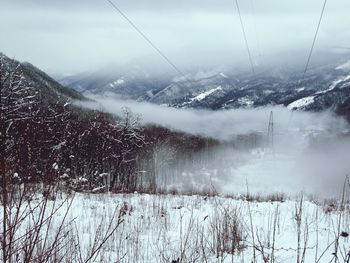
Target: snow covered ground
(167, 228)
(310, 154)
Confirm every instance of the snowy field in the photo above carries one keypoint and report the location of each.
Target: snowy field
(167, 228)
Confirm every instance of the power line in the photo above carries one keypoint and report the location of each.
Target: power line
(245, 38)
(314, 41)
(146, 38)
(270, 131)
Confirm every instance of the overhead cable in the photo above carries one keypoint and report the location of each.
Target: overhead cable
(146, 38)
(245, 38)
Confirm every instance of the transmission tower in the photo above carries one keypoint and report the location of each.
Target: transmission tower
(270, 132)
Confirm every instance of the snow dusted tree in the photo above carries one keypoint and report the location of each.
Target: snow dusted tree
(48, 135)
(24, 127)
(98, 146)
(16, 99)
(127, 140)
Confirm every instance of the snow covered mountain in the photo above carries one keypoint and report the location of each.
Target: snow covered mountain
(326, 86)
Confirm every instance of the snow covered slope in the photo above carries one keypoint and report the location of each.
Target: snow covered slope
(159, 228)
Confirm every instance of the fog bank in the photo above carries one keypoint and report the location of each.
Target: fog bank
(221, 124)
(310, 152)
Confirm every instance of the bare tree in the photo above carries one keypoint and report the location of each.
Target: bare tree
(16, 98)
(127, 140)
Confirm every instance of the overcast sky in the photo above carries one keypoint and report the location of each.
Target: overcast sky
(70, 36)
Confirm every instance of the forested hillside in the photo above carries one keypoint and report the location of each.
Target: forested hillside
(45, 138)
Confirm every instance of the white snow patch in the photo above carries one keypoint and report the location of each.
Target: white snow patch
(55, 166)
(245, 101)
(117, 83)
(120, 81)
(149, 93)
(203, 95)
(301, 102)
(83, 180)
(345, 66)
(310, 99)
(99, 189)
(223, 75)
(334, 84)
(64, 176)
(59, 146)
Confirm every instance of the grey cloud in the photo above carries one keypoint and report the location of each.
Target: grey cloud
(259, 6)
(70, 36)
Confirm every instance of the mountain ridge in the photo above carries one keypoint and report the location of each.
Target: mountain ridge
(49, 89)
(325, 87)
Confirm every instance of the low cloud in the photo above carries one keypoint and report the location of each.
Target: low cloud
(310, 153)
(222, 124)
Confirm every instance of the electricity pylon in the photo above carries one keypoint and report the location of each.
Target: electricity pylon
(270, 139)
